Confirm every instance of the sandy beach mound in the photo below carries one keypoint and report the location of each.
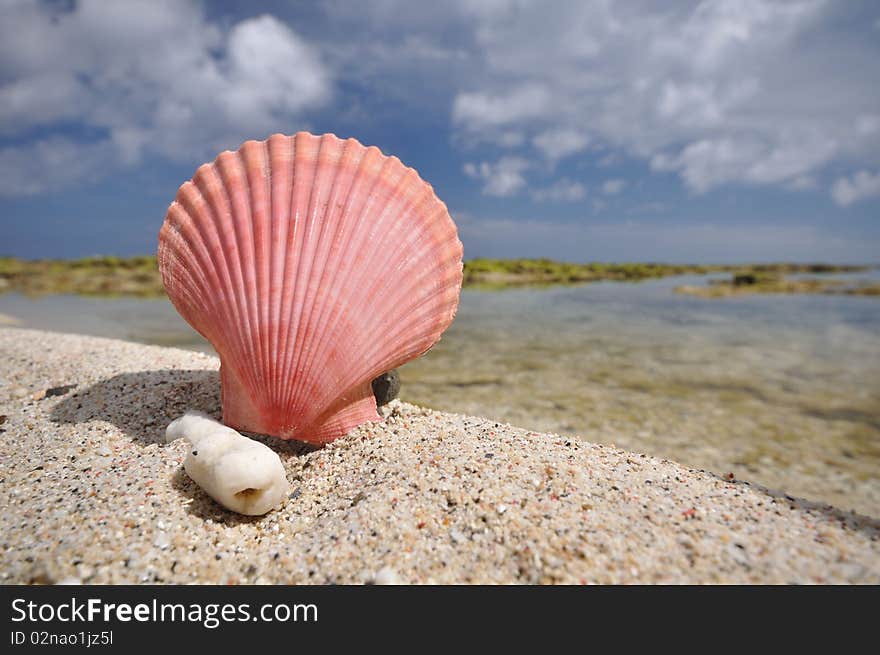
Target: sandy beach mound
(91, 494)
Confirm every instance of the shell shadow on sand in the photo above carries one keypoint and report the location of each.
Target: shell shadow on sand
(142, 404)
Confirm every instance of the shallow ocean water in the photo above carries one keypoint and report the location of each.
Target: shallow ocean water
(780, 390)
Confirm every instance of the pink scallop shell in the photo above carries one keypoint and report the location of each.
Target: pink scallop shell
(312, 265)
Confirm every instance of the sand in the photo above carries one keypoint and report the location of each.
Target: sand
(91, 494)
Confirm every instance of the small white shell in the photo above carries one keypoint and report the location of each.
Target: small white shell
(241, 474)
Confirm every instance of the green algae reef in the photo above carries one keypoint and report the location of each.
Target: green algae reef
(139, 276)
(505, 273)
(91, 276)
(763, 280)
(511, 273)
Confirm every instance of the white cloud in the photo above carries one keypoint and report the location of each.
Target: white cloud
(503, 178)
(269, 69)
(556, 144)
(803, 183)
(51, 163)
(39, 100)
(564, 190)
(708, 163)
(483, 111)
(612, 187)
(868, 124)
(862, 185)
(609, 160)
(717, 91)
(152, 77)
(511, 139)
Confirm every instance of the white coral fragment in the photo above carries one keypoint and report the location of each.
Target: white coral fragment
(241, 474)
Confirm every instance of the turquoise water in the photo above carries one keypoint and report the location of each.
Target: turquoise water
(780, 390)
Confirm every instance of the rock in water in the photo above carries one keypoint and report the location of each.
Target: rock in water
(241, 474)
(386, 387)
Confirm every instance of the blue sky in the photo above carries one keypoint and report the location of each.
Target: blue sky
(721, 130)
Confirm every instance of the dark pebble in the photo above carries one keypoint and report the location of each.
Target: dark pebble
(386, 387)
(59, 391)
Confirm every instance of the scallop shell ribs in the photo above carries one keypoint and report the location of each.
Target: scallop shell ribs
(312, 265)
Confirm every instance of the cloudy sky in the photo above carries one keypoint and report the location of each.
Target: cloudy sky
(721, 130)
